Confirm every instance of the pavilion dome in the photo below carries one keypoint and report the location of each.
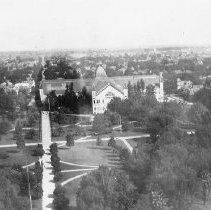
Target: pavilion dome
(100, 72)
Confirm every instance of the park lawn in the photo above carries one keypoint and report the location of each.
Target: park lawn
(133, 142)
(120, 134)
(10, 156)
(72, 167)
(88, 153)
(8, 139)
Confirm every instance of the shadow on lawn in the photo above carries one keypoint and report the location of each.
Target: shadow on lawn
(100, 148)
(13, 151)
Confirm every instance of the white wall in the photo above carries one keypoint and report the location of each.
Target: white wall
(101, 100)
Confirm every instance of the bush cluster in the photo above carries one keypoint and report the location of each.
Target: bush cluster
(55, 162)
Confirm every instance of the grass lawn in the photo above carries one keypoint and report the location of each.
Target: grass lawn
(8, 139)
(9, 156)
(87, 153)
(133, 142)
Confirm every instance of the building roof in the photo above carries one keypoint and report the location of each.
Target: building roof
(100, 86)
(78, 84)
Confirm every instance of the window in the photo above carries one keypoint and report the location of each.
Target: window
(94, 101)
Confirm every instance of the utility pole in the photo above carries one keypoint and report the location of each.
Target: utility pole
(30, 197)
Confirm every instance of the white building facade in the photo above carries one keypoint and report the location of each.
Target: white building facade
(101, 98)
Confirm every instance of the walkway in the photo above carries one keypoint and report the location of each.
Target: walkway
(48, 185)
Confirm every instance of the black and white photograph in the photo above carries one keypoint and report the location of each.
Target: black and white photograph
(105, 105)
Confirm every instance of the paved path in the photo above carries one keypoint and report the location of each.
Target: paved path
(74, 164)
(77, 140)
(130, 148)
(48, 185)
(72, 179)
(78, 170)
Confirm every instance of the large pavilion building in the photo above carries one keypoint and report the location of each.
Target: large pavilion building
(103, 88)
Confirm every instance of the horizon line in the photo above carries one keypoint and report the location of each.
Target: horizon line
(109, 48)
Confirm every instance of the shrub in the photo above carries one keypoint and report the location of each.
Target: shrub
(70, 140)
(80, 131)
(111, 142)
(4, 127)
(60, 201)
(59, 190)
(37, 191)
(54, 160)
(53, 148)
(99, 141)
(57, 132)
(126, 126)
(39, 151)
(57, 176)
(38, 170)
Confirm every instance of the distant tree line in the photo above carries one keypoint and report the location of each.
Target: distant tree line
(60, 69)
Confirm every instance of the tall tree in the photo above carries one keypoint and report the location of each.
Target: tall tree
(18, 135)
(106, 189)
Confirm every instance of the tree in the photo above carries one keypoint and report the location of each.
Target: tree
(38, 171)
(199, 114)
(53, 149)
(9, 198)
(60, 200)
(99, 141)
(105, 189)
(203, 96)
(51, 100)
(7, 101)
(111, 142)
(159, 121)
(39, 151)
(100, 124)
(184, 93)
(55, 162)
(112, 117)
(4, 126)
(30, 134)
(70, 140)
(26, 179)
(19, 136)
(150, 90)
(57, 176)
(142, 85)
(37, 191)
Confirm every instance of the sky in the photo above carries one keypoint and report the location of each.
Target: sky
(82, 24)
